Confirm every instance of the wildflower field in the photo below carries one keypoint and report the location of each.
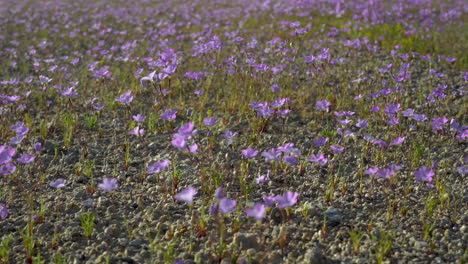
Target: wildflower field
(233, 131)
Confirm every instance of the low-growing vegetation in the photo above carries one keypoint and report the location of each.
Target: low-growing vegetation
(266, 131)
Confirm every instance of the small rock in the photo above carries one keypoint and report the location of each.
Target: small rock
(128, 260)
(420, 244)
(315, 256)
(136, 243)
(246, 241)
(333, 216)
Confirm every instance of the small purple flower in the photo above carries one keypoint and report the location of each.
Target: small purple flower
(193, 148)
(371, 171)
(108, 184)
(320, 142)
(249, 153)
(419, 118)
(126, 98)
(199, 92)
(69, 92)
(323, 105)
(380, 143)
(20, 128)
(319, 159)
(384, 173)
(438, 123)
(137, 131)
(186, 195)
(463, 170)
(213, 209)
(179, 142)
(395, 167)
(336, 149)
(262, 178)
(186, 129)
(219, 193)
(291, 160)
(397, 141)
(258, 211)
(287, 199)
(147, 79)
(408, 113)
(169, 115)
(158, 166)
(37, 147)
(269, 200)
(227, 205)
(26, 158)
(393, 121)
(139, 118)
(271, 155)
(424, 174)
(392, 109)
(209, 121)
(344, 122)
(3, 211)
(375, 109)
(288, 148)
(362, 123)
(229, 134)
(8, 169)
(57, 184)
(6, 154)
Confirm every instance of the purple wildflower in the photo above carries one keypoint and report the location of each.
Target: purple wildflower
(393, 121)
(37, 147)
(320, 142)
(291, 160)
(209, 121)
(126, 98)
(6, 154)
(362, 123)
(384, 173)
(424, 174)
(263, 178)
(8, 169)
(26, 158)
(268, 200)
(57, 184)
(271, 155)
(336, 149)
(227, 205)
(169, 115)
(438, 123)
(463, 170)
(186, 195)
(193, 148)
(219, 193)
(108, 184)
(258, 211)
(139, 118)
(229, 134)
(287, 199)
(319, 159)
(419, 118)
(69, 92)
(158, 166)
(179, 142)
(392, 109)
(323, 105)
(137, 131)
(3, 211)
(397, 141)
(371, 171)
